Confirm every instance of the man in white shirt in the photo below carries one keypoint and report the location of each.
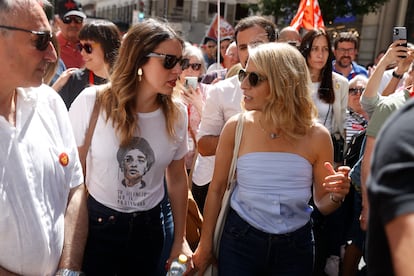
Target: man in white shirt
(43, 217)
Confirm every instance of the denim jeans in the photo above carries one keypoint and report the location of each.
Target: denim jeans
(122, 243)
(245, 250)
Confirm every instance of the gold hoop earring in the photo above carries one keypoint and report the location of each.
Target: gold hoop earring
(139, 73)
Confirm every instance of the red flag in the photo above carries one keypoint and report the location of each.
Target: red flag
(309, 16)
(226, 29)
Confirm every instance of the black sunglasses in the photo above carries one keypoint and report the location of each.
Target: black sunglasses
(254, 78)
(169, 60)
(70, 19)
(86, 46)
(356, 91)
(194, 66)
(42, 40)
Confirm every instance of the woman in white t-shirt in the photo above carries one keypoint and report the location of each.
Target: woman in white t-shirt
(140, 139)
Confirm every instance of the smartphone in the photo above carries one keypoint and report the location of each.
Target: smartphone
(399, 33)
(191, 81)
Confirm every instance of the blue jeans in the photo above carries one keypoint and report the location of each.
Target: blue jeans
(245, 250)
(122, 243)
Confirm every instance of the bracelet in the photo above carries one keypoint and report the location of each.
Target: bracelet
(68, 272)
(395, 75)
(332, 198)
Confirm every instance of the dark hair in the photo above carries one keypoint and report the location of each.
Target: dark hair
(106, 34)
(325, 92)
(251, 21)
(346, 37)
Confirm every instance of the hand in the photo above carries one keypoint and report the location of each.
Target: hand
(63, 79)
(194, 97)
(185, 249)
(363, 219)
(338, 182)
(202, 259)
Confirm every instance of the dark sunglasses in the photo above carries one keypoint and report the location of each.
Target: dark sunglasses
(169, 60)
(42, 40)
(254, 78)
(194, 66)
(70, 19)
(356, 91)
(86, 46)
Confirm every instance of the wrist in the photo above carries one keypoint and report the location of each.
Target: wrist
(396, 75)
(335, 200)
(68, 272)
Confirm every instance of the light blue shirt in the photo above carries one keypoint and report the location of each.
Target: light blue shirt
(273, 191)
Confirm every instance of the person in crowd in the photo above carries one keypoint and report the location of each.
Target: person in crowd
(210, 50)
(290, 35)
(43, 220)
(371, 67)
(99, 44)
(278, 129)
(330, 95)
(54, 68)
(69, 21)
(390, 191)
(356, 123)
(224, 100)
(219, 65)
(381, 108)
(345, 51)
(125, 226)
(194, 99)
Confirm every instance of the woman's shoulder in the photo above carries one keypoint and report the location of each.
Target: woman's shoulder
(339, 78)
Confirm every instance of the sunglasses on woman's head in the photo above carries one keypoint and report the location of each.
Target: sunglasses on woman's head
(86, 46)
(169, 60)
(194, 66)
(42, 37)
(356, 91)
(70, 19)
(254, 78)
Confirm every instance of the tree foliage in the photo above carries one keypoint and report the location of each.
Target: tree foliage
(286, 9)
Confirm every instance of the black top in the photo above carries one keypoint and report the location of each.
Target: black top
(78, 81)
(390, 187)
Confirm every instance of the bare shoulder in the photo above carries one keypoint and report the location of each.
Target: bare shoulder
(320, 134)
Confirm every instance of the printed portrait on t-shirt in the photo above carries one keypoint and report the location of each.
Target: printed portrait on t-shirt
(135, 160)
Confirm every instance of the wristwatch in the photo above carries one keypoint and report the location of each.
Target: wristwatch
(395, 75)
(68, 272)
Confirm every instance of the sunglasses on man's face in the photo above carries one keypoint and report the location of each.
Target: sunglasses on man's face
(194, 66)
(70, 19)
(254, 78)
(169, 60)
(42, 37)
(356, 91)
(85, 46)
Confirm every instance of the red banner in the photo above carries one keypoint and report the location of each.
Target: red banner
(309, 16)
(226, 29)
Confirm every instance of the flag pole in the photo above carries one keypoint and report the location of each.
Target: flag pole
(218, 33)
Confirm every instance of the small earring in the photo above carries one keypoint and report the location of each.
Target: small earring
(139, 73)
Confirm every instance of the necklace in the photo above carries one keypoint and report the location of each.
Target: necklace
(272, 135)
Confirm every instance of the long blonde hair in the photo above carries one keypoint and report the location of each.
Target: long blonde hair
(118, 98)
(289, 105)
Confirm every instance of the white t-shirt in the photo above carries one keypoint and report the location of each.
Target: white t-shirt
(106, 161)
(35, 181)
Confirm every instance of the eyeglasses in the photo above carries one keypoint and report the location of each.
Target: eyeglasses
(254, 78)
(169, 60)
(86, 46)
(42, 40)
(70, 19)
(194, 66)
(343, 50)
(356, 91)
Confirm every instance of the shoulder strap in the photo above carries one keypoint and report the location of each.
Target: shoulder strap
(237, 139)
(83, 150)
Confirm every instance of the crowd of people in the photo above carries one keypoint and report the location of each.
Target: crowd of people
(322, 188)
